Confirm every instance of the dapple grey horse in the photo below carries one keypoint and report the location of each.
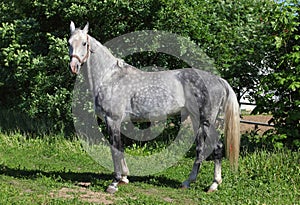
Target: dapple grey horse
(122, 92)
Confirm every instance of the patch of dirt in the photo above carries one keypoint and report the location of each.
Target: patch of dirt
(84, 194)
(168, 199)
(255, 118)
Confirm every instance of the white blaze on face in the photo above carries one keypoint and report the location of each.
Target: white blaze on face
(74, 62)
(77, 47)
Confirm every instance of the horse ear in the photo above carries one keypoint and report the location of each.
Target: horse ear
(86, 28)
(72, 27)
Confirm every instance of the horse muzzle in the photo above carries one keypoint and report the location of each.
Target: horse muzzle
(75, 66)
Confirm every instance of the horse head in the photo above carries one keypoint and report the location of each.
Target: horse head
(78, 47)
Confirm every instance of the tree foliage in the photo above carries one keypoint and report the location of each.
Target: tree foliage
(279, 90)
(255, 45)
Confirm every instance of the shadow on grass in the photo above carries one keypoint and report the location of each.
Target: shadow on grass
(90, 177)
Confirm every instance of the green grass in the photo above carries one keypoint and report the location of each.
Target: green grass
(49, 171)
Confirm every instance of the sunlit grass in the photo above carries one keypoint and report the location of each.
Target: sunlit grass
(33, 171)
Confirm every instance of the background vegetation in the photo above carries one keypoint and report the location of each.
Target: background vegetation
(255, 45)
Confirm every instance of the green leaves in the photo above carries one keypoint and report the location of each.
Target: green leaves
(283, 79)
(34, 74)
(254, 44)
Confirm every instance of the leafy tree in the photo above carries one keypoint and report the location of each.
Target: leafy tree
(233, 33)
(254, 44)
(279, 91)
(34, 77)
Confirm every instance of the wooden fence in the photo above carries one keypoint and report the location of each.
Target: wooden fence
(252, 122)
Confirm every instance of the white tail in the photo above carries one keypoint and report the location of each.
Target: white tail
(232, 129)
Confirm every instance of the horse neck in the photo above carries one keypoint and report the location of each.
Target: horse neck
(101, 63)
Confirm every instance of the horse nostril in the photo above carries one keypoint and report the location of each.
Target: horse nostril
(73, 67)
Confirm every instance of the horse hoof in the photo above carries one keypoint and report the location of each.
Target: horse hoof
(184, 186)
(214, 186)
(111, 189)
(211, 190)
(122, 183)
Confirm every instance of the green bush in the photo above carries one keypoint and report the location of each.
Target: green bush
(254, 45)
(279, 91)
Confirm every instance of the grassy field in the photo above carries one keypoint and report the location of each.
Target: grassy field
(58, 171)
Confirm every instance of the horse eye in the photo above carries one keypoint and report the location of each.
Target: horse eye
(84, 43)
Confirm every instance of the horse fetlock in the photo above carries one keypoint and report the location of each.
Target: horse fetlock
(123, 181)
(214, 186)
(185, 184)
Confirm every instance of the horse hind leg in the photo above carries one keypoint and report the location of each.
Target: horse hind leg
(199, 132)
(218, 152)
(207, 139)
(193, 175)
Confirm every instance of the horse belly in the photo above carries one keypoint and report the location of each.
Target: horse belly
(154, 103)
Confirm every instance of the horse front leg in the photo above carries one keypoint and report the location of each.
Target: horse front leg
(117, 151)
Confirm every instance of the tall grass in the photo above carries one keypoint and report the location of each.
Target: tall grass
(16, 121)
(12, 121)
